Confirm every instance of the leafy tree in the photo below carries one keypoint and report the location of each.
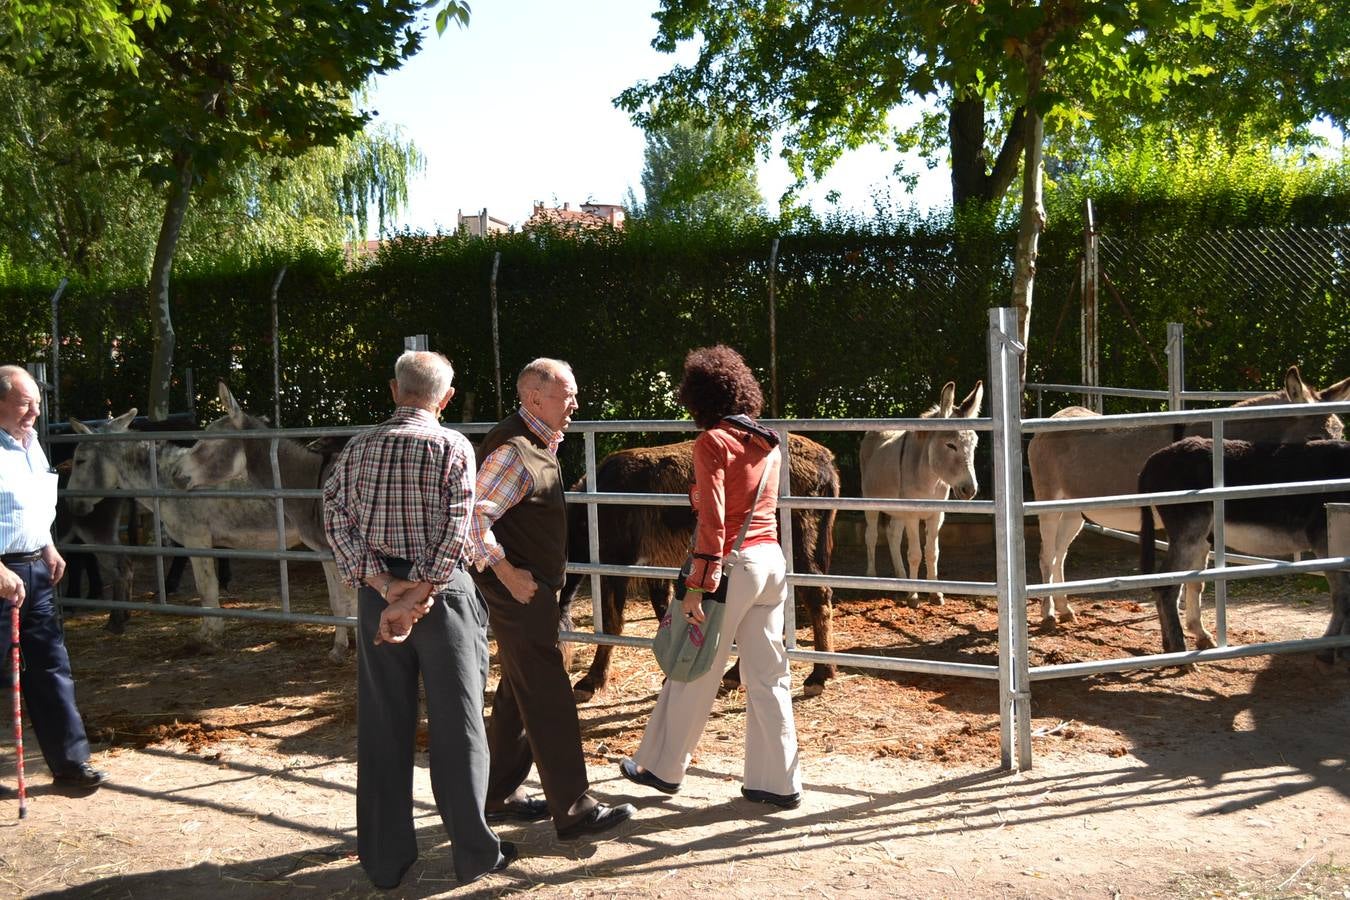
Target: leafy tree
(827, 74)
(104, 29)
(679, 187)
(219, 84)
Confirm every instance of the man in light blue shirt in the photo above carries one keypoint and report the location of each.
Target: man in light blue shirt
(29, 568)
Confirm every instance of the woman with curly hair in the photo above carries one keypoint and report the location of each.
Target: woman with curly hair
(731, 455)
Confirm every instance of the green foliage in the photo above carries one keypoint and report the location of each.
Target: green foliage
(75, 202)
(220, 84)
(828, 74)
(872, 316)
(104, 30)
(675, 180)
(1205, 180)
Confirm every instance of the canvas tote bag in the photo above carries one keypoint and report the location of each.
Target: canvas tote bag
(684, 649)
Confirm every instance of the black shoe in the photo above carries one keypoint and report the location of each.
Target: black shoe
(628, 769)
(509, 855)
(519, 811)
(83, 776)
(602, 818)
(782, 801)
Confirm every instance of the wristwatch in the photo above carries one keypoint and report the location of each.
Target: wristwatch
(384, 588)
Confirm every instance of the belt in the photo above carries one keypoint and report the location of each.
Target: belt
(29, 556)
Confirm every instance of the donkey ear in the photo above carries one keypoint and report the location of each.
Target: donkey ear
(1296, 389)
(947, 401)
(231, 405)
(79, 427)
(1336, 393)
(970, 407)
(123, 421)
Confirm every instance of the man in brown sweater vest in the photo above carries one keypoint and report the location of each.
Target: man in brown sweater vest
(519, 534)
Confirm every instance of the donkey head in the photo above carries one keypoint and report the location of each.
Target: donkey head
(94, 466)
(218, 460)
(950, 455)
(1294, 429)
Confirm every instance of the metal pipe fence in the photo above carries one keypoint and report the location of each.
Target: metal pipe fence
(1008, 509)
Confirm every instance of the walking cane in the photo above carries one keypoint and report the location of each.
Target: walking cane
(18, 707)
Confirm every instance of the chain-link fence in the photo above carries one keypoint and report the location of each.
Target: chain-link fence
(1252, 301)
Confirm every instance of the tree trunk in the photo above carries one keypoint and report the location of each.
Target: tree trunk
(1029, 230)
(161, 367)
(972, 176)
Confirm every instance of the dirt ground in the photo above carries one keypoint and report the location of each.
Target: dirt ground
(233, 769)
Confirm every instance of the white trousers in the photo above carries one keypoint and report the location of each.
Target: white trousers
(756, 593)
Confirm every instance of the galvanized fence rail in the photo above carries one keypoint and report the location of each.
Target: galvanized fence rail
(1012, 672)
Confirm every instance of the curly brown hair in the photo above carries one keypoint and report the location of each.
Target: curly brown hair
(718, 383)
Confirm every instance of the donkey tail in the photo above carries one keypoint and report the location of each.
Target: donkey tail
(1146, 554)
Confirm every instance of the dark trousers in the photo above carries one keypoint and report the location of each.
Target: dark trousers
(448, 647)
(48, 687)
(534, 716)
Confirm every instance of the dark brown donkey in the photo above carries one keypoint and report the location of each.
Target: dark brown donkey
(659, 536)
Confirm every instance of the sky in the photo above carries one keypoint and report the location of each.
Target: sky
(517, 108)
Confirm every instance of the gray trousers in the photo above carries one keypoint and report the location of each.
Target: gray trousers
(448, 647)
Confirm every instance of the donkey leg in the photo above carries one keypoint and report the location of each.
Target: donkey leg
(121, 572)
(933, 527)
(1339, 584)
(914, 552)
(342, 601)
(613, 598)
(1169, 617)
(870, 542)
(820, 606)
(1069, 527)
(1193, 593)
(204, 573)
(1049, 528)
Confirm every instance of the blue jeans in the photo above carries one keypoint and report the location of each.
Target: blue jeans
(48, 686)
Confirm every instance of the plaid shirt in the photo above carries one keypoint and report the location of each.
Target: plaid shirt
(503, 481)
(402, 489)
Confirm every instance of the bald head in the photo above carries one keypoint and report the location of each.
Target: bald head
(542, 372)
(8, 374)
(548, 389)
(20, 403)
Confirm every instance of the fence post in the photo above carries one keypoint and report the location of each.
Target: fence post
(1338, 529)
(1176, 366)
(785, 532)
(593, 532)
(1220, 539)
(276, 351)
(1091, 349)
(56, 351)
(496, 338)
(773, 332)
(1014, 681)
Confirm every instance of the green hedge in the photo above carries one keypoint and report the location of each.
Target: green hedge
(872, 316)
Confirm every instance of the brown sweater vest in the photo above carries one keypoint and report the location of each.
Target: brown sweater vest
(534, 531)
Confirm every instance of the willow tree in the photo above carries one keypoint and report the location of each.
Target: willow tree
(827, 75)
(221, 84)
(76, 204)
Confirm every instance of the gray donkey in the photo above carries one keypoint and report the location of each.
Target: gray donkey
(920, 465)
(192, 522)
(216, 461)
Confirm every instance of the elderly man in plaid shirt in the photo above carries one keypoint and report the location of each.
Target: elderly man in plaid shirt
(396, 510)
(519, 535)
